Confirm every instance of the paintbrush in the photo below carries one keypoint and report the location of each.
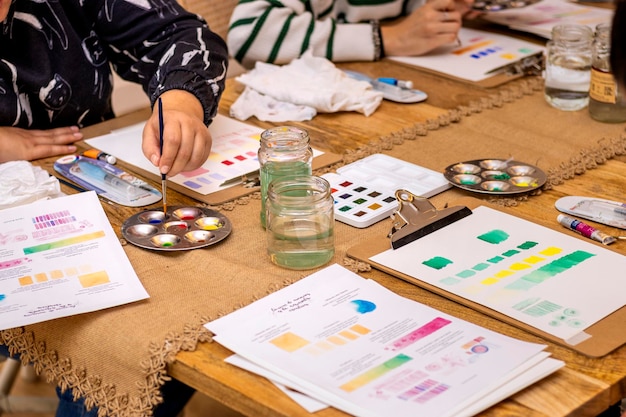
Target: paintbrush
(163, 176)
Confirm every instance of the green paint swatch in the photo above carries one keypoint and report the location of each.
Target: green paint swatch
(527, 245)
(450, 281)
(437, 262)
(494, 237)
(495, 259)
(480, 267)
(466, 273)
(510, 253)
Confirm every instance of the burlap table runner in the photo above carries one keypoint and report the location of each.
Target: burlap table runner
(117, 358)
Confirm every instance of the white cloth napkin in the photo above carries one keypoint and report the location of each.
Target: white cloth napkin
(300, 89)
(21, 183)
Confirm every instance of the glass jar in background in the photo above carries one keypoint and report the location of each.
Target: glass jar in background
(284, 151)
(300, 222)
(568, 67)
(606, 102)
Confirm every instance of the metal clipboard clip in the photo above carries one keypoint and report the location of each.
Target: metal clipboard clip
(531, 65)
(416, 217)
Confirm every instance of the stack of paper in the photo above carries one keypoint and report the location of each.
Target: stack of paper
(353, 344)
(539, 18)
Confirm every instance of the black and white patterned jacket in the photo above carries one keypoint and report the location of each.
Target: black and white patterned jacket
(56, 58)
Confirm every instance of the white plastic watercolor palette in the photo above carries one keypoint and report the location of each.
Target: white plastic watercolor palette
(364, 191)
(108, 181)
(181, 228)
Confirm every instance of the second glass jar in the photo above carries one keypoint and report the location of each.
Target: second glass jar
(300, 222)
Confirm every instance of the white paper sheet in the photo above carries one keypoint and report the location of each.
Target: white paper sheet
(480, 53)
(59, 258)
(541, 17)
(309, 404)
(547, 279)
(361, 348)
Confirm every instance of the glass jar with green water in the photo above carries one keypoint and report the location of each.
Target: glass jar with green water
(284, 151)
(300, 222)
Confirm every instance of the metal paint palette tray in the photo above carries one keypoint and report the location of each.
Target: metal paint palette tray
(182, 228)
(498, 5)
(495, 176)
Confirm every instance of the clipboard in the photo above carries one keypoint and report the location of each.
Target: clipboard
(605, 334)
(481, 58)
(529, 66)
(235, 191)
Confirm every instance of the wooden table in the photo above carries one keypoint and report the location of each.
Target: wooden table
(585, 387)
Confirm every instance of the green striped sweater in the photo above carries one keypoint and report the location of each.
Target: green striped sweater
(278, 31)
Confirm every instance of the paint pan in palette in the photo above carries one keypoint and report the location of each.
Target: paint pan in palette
(181, 228)
(364, 191)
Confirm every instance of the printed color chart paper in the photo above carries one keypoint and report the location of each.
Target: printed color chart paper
(480, 53)
(233, 153)
(549, 280)
(351, 343)
(59, 258)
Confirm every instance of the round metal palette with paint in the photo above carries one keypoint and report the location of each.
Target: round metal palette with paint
(495, 176)
(181, 228)
(499, 5)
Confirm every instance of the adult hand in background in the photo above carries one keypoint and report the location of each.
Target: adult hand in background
(434, 24)
(18, 144)
(186, 139)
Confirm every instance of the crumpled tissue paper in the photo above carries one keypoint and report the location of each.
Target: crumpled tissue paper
(21, 182)
(299, 90)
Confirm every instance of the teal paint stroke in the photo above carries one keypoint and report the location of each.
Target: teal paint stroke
(437, 262)
(466, 273)
(480, 267)
(495, 259)
(527, 245)
(494, 237)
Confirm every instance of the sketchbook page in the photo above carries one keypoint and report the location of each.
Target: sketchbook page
(59, 258)
(233, 153)
(549, 280)
(365, 350)
(539, 18)
(479, 57)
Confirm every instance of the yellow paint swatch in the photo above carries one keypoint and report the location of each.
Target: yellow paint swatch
(336, 340)
(503, 274)
(534, 259)
(56, 274)
(349, 335)
(71, 271)
(360, 329)
(289, 342)
(489, 281)
(41, 277)
(518, 266)
(27, 280)
(551, 251)
(96, 278)
(324, 345)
